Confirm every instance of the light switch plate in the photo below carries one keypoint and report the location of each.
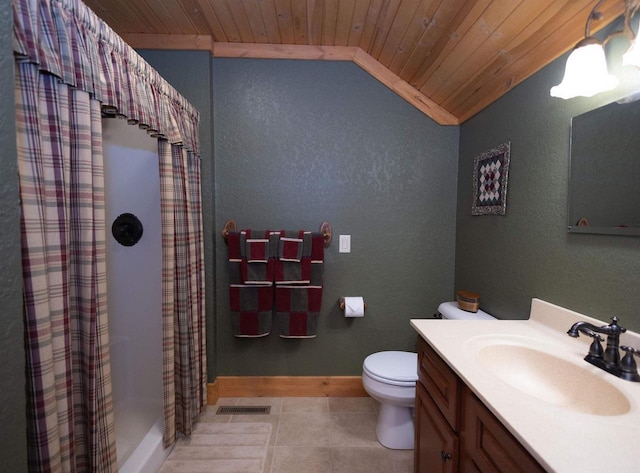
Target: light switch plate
(345, 244)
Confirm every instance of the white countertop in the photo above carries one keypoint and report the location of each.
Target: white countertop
(561, 439)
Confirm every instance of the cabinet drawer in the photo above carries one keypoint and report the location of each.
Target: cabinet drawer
(442, 383)
(488, 445)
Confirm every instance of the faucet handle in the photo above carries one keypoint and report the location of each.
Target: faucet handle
(595, 349)
(628, 363)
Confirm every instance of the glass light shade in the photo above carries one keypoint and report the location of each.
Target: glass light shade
(632, 56)
(586, 72)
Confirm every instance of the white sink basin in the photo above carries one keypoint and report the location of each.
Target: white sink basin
(552, 379)
(570, 415)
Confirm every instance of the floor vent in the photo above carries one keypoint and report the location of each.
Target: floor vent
(239, 410)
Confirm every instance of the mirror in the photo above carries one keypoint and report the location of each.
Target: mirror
(604, 174)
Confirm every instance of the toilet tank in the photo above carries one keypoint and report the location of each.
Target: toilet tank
(450, 310)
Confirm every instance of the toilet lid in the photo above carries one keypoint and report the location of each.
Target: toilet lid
(399, 368)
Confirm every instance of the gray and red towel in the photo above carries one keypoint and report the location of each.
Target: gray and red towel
(251, 264)
(281, 270)
(298, 279)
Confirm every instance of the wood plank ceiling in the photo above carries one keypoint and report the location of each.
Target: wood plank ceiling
(450, 58)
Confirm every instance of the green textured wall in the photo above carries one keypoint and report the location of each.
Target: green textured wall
(528, 253)
(300, 142)
(190, 73)
(13, 446)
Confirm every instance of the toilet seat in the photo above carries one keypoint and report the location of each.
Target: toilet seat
(397, 368)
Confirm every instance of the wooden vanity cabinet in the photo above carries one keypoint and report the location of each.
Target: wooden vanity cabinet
(455, 432)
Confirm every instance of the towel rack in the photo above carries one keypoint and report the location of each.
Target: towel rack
(325, 228)
(229, 226)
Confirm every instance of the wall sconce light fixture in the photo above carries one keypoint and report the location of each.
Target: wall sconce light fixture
(586, 72)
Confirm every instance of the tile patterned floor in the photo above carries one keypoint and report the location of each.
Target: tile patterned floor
(310, 435)
(224, 448)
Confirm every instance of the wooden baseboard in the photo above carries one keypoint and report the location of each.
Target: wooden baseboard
(285, 386)
(212, 393)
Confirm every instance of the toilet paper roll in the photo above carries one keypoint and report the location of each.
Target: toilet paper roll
(353, 307)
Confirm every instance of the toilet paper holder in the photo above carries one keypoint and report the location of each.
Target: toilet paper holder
(342, 304)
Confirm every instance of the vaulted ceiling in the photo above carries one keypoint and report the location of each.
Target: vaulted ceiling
(449, 58)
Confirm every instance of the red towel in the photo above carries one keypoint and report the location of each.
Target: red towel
(250, 283)
(293, 261)
(257, 251)
(252, 309)
(285, 267)
(299, 288)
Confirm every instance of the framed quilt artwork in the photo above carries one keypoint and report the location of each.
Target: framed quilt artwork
(490, 176)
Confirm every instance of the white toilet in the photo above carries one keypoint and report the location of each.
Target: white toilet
(390, 378)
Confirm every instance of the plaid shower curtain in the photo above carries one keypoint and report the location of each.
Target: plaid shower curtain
(71, 68)
(59, 136)
(184, 344)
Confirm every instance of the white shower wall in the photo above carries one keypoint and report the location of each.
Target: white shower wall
(134, 284)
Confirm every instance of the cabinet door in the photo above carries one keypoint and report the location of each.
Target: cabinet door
(487, 445)
(436, 448)
(441, 382)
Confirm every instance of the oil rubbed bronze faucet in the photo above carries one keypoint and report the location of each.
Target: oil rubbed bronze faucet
(608, 359)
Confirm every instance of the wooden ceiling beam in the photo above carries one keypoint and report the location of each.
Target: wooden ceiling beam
(169, 41)
(284, 51)
(304, 52)
(404, 90)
